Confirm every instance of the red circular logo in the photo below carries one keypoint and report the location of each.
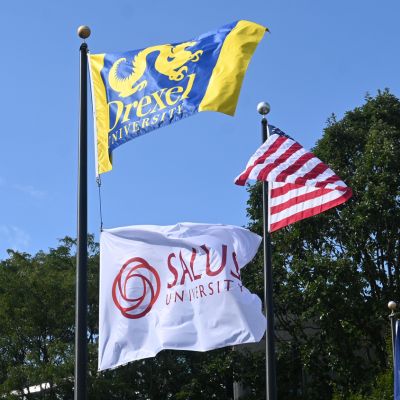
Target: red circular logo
(136, 288)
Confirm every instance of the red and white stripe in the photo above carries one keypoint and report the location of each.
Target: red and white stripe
(300, 184)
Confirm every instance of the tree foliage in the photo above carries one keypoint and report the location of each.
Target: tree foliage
(334, 273)
(37, 314)
(333, 276)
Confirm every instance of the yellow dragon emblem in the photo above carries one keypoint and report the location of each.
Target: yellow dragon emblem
(170, 62)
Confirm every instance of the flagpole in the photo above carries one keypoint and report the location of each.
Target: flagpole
(393, 319)
(270, 369)
(392, 307)
(81, 257)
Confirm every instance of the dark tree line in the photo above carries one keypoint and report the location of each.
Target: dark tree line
(335, 273)
(333, 276)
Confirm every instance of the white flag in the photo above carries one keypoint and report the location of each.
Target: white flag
(175, 287)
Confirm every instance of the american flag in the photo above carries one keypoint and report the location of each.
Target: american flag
(300, 184)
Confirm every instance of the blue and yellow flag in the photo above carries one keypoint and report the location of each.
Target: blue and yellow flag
(141, 90)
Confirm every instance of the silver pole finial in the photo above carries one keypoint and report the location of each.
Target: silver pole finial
(392, 306)
(263, 108)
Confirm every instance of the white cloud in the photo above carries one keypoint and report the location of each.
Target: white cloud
(30, 190)
(15, 238)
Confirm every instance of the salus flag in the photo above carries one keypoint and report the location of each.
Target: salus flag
(175, 287)
(300, 184)
(141, 90)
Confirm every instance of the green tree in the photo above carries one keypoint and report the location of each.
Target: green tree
(37, 314)
(37, 320)
(333, 276)
(334, 273)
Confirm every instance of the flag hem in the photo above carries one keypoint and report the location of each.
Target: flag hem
(100, 112)
(224, 86)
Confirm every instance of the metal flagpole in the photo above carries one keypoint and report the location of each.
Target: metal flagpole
(270, 369)
(81, 257)
(392, 307)
(393, 319)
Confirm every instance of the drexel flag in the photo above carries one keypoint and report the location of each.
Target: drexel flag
(175, 287)
(300, 184)
(141, 90)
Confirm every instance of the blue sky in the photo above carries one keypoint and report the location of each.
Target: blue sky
(320, 58)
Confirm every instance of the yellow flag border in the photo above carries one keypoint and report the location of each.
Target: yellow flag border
(100, 113)
(223, 89)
